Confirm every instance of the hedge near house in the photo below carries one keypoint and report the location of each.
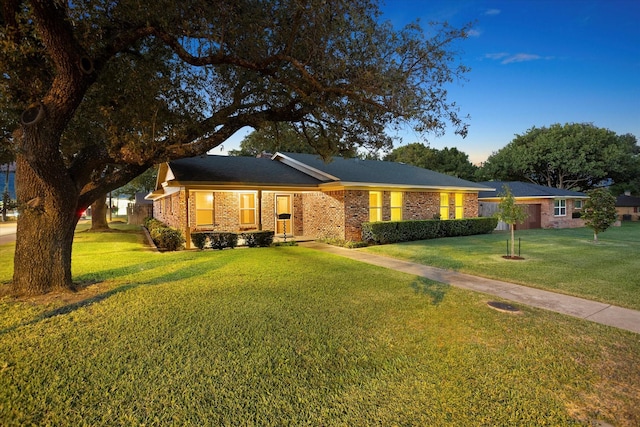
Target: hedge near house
(406, 231)
(164, 237)
(222, 240)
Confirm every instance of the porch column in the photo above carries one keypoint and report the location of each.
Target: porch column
(187, 229)
(260, 210)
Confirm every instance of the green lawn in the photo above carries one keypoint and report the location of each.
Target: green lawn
(289, 336)
(563, 260)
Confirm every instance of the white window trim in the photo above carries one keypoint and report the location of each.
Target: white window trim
(561, 206)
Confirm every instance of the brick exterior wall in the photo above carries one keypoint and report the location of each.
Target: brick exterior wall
(323, 214)
(298, 215)
(336, 214)
(420, 205)
(170, 210)
(356, 212)
(268, 210)
(471, 205)
(549, 220)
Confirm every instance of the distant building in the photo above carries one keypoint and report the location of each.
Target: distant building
(628, 207)
(547, 207)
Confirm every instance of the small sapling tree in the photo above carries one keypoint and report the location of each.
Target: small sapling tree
(510, 213)
(599, 211)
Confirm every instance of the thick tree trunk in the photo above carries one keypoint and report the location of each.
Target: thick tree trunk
(45, 231)
(99, 214)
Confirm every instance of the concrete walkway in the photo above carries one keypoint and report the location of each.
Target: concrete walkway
(8, 232)
(599, 312)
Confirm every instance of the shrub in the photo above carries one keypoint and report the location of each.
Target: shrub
(163, 236)
(258, 238)
(167, 238)
(152, 223)
(199, 240)
(221, 240)
(405, 231)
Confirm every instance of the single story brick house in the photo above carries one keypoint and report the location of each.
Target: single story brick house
(323, 199)
(547, 207)
(628, 207)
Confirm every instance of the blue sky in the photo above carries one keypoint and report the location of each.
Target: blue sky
(533, 63)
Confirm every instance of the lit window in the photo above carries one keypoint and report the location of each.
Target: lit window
(396, 206)
(204, 208)
(560, 207)
(375, 206)
(247, 209)
(459, 205)
(444, 206)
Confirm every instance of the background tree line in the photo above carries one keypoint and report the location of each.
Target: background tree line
(574, 156)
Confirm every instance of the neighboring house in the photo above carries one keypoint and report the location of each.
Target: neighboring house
(628, 207)
(323, 199)
(547, 207)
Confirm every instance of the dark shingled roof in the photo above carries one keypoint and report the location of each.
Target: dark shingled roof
(525, 189)
(627, 201)
(380, 172)
(247, 170)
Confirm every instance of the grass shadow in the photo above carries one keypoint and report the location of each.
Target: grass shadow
(435, 290)
(190, 269)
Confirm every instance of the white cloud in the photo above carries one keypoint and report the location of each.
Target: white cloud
(474, 33)
(492, 12)
(496, 56)
(507, 58)
(521, 57)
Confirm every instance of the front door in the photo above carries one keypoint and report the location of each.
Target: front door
(283, 206)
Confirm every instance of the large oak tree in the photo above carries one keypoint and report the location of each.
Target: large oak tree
(99, 90)
(577, 156)
(287, 138)
(450, 161)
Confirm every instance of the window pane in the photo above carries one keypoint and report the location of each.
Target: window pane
(396, 206)
(375, 206)
(204, 200)
(444, 206)
(204, 217)
(247, 216)
(247, 201)
(247, 209)
(204, 208)
(459, 205)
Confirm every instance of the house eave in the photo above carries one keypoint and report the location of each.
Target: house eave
(242, 186)
(497, 198)
(407, 187)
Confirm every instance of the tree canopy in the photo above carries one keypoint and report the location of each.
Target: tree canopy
(576, 156)
(599, 211)
(450, 161)
(285, 137)
(98, 91)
